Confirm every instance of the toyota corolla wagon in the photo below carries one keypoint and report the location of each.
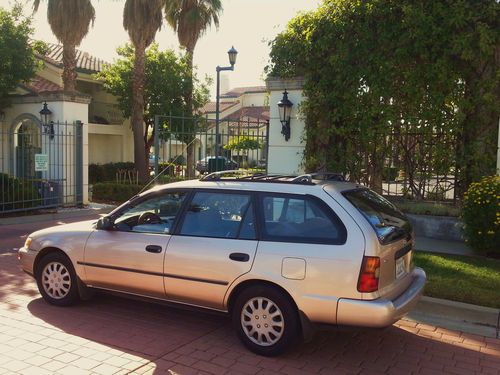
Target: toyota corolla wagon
(280, 254)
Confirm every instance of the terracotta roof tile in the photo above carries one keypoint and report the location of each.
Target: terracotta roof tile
(210, 107)
(238, 91)
(85, 62)
(39, 84)
(252, 114)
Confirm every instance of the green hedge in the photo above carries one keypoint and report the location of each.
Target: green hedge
(17, 193)
(481, 215)
(113, 192)
(107, 172)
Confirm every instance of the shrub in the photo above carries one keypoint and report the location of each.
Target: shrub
(18, 193)
(107, 172)
(481, 215)
(113, 192)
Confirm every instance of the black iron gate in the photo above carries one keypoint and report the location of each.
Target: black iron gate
(40, 166)
(243, 144)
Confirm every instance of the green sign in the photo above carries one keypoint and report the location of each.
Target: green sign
(41, 162)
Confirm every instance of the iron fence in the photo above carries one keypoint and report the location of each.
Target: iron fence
(185, 141)
(40, 166)
(415, 164)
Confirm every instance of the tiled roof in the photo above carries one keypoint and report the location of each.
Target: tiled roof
(238, 91)
(85, 62)
(252, 114)
(38, 85)
(210, 107)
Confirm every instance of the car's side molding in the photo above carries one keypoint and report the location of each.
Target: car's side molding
(161, 274)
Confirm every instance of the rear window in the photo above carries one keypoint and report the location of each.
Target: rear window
(389, 223)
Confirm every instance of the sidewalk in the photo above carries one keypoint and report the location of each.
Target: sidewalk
(91, 209)
(442, 246)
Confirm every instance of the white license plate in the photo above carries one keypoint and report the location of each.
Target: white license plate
(400, 267)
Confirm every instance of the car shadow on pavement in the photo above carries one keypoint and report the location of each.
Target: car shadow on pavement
(14, 284)
(153, 338)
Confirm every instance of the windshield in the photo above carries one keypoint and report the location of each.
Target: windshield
(389, 223)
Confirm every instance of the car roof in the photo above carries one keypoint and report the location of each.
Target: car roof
(279, 187)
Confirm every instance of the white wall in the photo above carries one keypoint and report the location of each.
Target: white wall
(285, 157)
(64, 109)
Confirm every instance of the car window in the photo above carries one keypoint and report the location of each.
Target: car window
(300, 219)
(389, 223)
(154, 215)
(219, 215)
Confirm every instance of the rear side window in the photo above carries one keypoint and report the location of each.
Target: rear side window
(389, 223)
(290, 218)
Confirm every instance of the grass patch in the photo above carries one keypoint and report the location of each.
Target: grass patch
(459, 278)
(427, 208)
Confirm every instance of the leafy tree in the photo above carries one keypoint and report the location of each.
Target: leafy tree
(17, 56)
(70, 21)
(190, 19)
(243, 144)
(381, 69)
(165, 86)
(142, 19)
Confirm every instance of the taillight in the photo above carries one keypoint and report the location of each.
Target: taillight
(368, 277)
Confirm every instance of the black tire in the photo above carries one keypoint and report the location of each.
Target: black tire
(67, 282)
(283, 338)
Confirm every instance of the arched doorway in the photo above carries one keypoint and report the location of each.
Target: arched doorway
(26, 133)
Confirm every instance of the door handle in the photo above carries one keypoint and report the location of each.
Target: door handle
(154, 249)
(239, 257)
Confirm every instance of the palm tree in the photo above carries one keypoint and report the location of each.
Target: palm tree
(190, 19)
(142, 19)
(70, 21)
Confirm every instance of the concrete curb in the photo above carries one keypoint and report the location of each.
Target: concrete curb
(61, 215)
(459, 316)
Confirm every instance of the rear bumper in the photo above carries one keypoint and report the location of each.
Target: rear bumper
(381, 312)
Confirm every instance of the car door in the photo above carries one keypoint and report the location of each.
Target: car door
(214, 244)
(129, 257)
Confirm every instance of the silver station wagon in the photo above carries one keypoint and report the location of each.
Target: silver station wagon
(281, 254)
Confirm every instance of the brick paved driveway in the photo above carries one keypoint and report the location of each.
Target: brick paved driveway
(109, 335)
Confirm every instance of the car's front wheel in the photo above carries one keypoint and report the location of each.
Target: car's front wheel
(266, 320)
(56, 280)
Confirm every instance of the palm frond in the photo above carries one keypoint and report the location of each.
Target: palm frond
(70, 19)
(191, 18)
(142, 19)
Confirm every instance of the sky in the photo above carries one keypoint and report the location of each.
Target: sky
(246, 24)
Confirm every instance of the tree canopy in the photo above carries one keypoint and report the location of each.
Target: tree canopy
(18, 61)
(378, 67)
(164, 88)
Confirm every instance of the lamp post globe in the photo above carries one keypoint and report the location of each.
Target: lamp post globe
(285, 110)
(233, 54)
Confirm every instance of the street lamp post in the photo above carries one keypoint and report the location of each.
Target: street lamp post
(232, 53)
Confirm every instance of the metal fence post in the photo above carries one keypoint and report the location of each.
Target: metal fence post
(79, 162)
(157, 143)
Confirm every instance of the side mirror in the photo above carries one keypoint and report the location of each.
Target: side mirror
(105, 223)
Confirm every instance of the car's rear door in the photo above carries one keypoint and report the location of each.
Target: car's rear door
(214, 244)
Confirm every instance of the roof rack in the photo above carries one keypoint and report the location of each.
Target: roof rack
(324, 176)
(305, 179)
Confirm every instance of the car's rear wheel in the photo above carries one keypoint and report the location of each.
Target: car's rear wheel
(266, 320)
(56, 280)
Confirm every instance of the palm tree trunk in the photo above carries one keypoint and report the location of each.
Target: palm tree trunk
(69, 63)
(138, 113)
(190, 162)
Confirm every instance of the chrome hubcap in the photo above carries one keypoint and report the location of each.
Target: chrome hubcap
(56, 280)
(262, 321)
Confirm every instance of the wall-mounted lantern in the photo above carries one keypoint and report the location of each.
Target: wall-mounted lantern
(2, 116)
(285, 109)
(48, 126)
